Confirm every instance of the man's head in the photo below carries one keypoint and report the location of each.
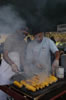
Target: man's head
(39, 37)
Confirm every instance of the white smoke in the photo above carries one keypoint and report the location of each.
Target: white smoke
(10, 20)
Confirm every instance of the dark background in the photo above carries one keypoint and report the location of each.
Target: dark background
(40, 15)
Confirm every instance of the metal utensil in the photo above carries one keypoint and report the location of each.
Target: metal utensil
(18, 76)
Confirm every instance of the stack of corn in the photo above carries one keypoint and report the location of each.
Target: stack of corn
(34, 84)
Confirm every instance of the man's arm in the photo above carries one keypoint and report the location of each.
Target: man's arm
(10, 62)
(57, 55)
(7, 59)
(54, 50)
(55, 64)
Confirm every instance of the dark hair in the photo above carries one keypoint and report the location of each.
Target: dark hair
(52, 38)
(35, 32)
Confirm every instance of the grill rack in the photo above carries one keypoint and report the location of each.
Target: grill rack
(40, 92)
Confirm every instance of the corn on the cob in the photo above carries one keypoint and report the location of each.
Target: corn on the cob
(17, 84)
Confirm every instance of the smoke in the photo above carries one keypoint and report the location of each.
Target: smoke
(10, 20)
(42, 15)
(25, 61)
(34, 63)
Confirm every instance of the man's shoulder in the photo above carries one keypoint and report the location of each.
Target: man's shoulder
(46, 39)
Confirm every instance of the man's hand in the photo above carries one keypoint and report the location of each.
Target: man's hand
(55, 65)
(39, 66)
(14, 68)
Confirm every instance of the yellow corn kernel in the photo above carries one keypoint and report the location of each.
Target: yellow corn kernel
(54, 78)
(30, 87)
(23, 82)
(37, 87)
(46, 83)
(17, 84)
(34, 84)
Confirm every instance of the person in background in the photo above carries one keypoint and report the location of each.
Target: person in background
(38, 54)
(29, 38)
(14, 53)
(0, 60)
(52, 55)
(52, 38)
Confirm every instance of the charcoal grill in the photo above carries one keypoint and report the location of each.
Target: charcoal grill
(40, 93)
(44, 94)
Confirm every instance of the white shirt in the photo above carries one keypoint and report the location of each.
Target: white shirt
(40, 53)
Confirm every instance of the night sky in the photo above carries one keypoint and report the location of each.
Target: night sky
(40, 15)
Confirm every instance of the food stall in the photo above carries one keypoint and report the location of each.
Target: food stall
(51, 89)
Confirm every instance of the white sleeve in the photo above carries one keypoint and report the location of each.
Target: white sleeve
(52, 46)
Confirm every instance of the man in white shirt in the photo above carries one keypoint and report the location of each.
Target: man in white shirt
(38, 55)
(14, 51)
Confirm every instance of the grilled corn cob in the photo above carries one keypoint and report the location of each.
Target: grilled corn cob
(17, 84)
